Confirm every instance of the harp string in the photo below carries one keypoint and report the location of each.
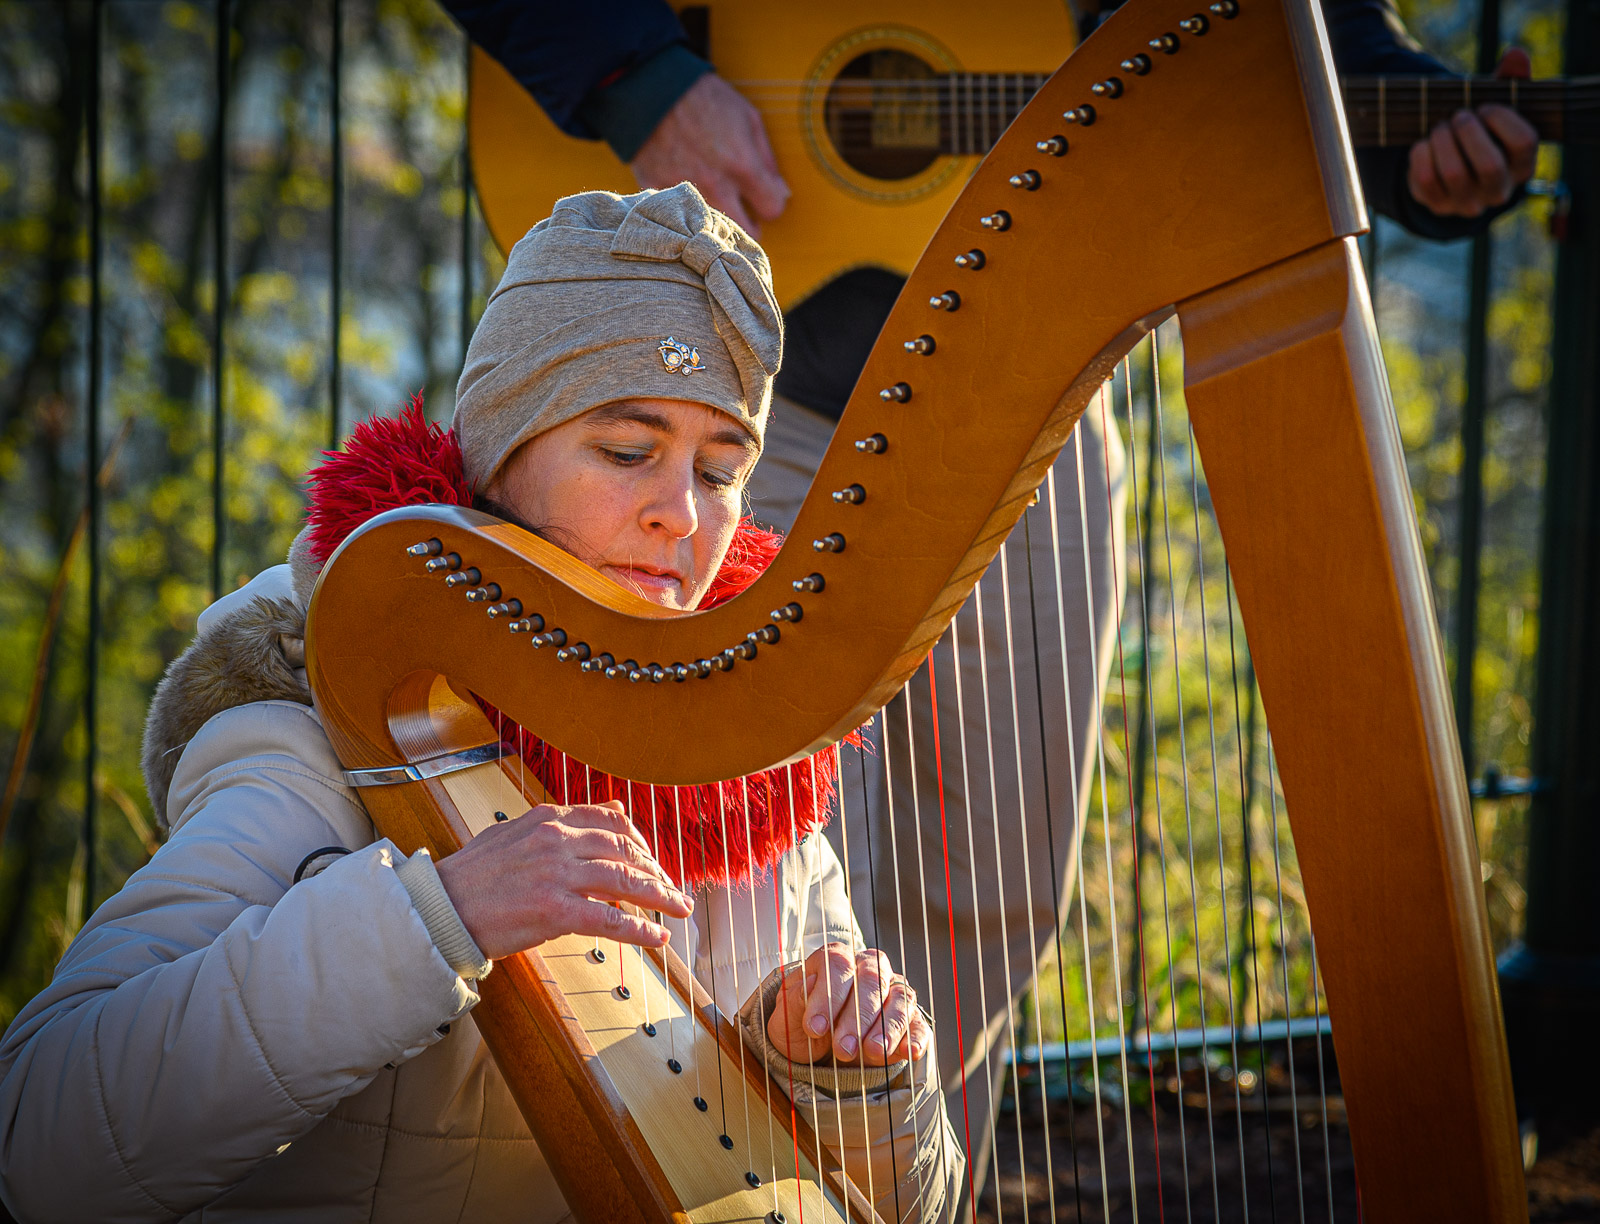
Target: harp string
(1077, 816)
(1283, 961)
(877, 942)
(733, 958)
(827, 978)
(1005, 938)
(795, 850)
(855, 988)
(1000, 889)
(986, 1137)
(1149, 714)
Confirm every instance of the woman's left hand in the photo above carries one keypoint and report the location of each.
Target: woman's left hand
(855, 1008)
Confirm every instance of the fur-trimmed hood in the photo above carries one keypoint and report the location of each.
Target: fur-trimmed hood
(253, 649)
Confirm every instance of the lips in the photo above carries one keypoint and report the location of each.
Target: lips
(647, 580)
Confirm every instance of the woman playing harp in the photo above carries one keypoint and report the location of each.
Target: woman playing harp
(272, 1019)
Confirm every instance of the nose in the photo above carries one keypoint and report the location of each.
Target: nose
(672, 507)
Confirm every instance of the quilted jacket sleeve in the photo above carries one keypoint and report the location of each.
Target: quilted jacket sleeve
(215, 1009)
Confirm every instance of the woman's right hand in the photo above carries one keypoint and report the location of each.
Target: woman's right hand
(553, 872)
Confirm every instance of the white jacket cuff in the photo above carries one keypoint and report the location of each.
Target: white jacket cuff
(438, 914)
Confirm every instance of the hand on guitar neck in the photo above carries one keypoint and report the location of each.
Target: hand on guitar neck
(714, 138)
(1475, 160)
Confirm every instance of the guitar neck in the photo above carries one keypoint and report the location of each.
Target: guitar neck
(971, 109)
(1388, 111)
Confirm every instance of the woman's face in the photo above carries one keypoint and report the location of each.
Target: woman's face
(646, 491)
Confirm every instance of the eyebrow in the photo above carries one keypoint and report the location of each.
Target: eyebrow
(608, 414)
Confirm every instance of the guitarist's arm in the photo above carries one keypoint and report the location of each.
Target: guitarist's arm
(1467, 171)
(622, 72)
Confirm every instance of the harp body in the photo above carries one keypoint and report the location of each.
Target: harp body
(1219, 185)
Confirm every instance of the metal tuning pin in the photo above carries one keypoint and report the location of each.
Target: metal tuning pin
(1053, 146)
(511, 607)
(1226, 9)
(921, 346)
(972, 260)
(996, 221)
(467, 577)
(681, 672)
(949, 300)
(789, 612)
(1083, 115)
(449, 561)
(1111, 87)
(1028, 180)
(768, 634)
(744, 650)
(900, 393)
(704, 667)
(528, 624)
(578, 651)
(637, 674)
(811, 583)
(1196, 25)
(616, 670)
(1167, 44)
(723, 661)
(428, 548)
(1139, 64)
(833, 542)
(657, 673)
(556, 637)
(854, 495)
(598, 664)
(874, 445)
(484, 593)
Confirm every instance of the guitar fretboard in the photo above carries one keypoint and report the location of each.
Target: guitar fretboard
(973, 108)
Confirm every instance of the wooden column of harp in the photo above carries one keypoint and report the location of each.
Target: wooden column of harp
(1219, 183)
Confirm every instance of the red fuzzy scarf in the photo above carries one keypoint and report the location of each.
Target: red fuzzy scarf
(717, 833)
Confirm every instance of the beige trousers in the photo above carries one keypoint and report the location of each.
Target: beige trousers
(1017, 720)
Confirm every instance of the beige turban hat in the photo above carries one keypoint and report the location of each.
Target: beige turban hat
(649, 296)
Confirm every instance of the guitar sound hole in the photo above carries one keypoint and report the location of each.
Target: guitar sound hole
(883, 114)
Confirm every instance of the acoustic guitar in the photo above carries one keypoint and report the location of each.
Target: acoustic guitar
(877, 126)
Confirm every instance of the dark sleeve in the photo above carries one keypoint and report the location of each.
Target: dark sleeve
(1369, 39)
(601, 71)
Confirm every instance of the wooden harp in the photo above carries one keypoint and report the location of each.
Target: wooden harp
(1213, 179)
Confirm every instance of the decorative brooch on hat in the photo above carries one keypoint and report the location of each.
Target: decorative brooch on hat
(681, 357)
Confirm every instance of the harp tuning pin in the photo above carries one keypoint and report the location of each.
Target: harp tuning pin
(832, 542)
(1167, 44)
(449, 561)
(852, 496)
(875, 445)
(1226, 9)
(949, 300)
(810, 583)
(996, 221)
(636, 674)
(511, 607)
(484, 594)
(428, 548)
(722, 662)
(921, 346)
(467, 577)
(1083, 115)
(597, 664)
(768, 634)
(1028, 180)
(1137, 64)
(972, 260)
(704, 667)
(556, 637)
(1052, 146)
(900, 393)
(657, 673)
(1111, 87)
(578, 651)
(681, 672)
(745, 649)
(528, 624)
(789, 612)
(1196, 25)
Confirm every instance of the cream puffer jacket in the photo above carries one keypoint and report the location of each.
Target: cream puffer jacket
(260, 1026)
